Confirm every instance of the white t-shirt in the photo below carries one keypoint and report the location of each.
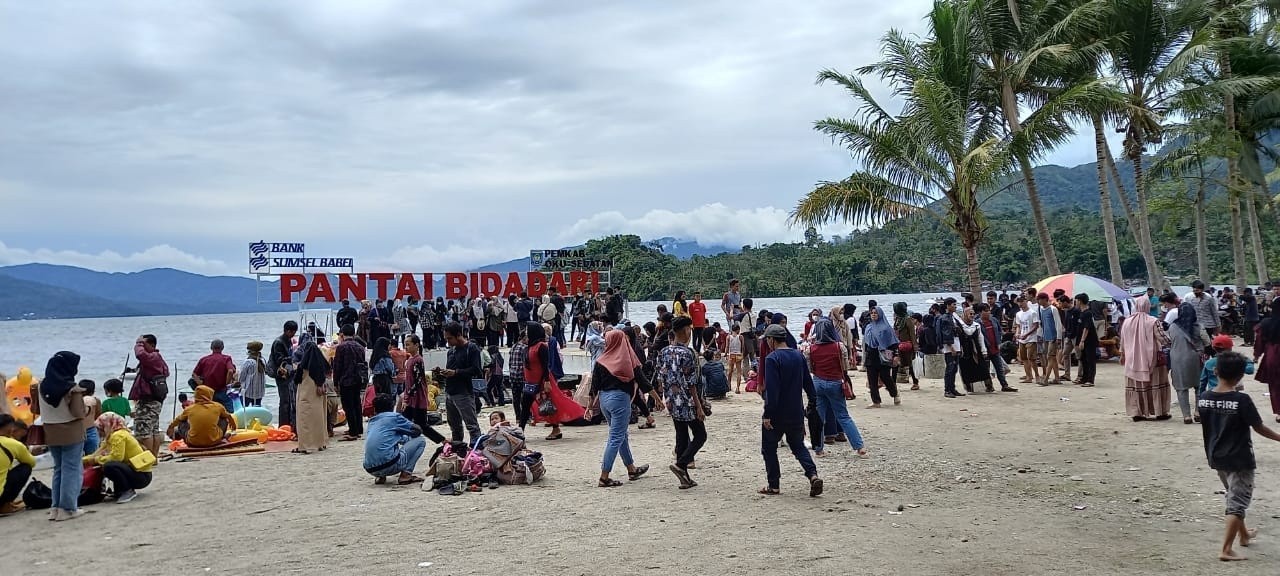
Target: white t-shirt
(1171, 316)
(854, 328)
(1029, 320)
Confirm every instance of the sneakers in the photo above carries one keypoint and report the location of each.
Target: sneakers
(126, 497)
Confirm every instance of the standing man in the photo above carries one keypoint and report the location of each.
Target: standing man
(1249, 307)
(679, 372)
(1206, 307)
(698, 312)
(1027, 335)
(351, 373)
(613, 306)
(216, 371)
(731, 303)
(949, 343)
(347, 315)
(462, 366)
(992, 334)
(280, 363)
(784, 410)
(558, 326)
(150, 387)
(1087, 342)
(524, 309)
(1050, 333)
(1067, 338)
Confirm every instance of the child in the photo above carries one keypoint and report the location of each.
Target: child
(183, 400)
(1227, 416)
(16, 464)
(92, 409)
(715, 383)
(115, 402)
(1209, 380)
(398, 357)
(497, 387)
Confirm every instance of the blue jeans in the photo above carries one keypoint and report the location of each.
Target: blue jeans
(831, 400)
(91, 440)
(410, 452)
(68, 474)
(616, 407)
(997, 362)
(224, 399)
(949, 377)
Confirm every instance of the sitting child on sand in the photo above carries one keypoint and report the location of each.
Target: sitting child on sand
(714, 380)
(207, 421)
(392, 444)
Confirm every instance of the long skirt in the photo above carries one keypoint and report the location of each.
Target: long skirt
(312, 425)
(1149, 399)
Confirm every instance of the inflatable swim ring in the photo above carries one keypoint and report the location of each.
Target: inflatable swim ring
(17, 392)
(251, 413)
(239, 435)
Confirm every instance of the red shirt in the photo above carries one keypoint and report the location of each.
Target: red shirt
(826, 362)
(399, 357)
(213, 370)
(698, 311)
(534, 372)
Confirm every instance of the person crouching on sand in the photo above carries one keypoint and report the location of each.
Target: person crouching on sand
(207, 422)
(393, 444)
(786, 380)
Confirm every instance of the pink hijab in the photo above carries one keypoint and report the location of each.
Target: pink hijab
(619, 358)
(1138, 340)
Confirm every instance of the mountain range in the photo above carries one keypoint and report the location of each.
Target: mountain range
(32, 291)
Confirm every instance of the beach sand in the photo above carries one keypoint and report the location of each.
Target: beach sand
(989, 484)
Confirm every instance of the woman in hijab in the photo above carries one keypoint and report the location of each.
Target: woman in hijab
(828, 359)
(382, 366)
(973, 360)
(595, 340)
(880, 349)
(117, 455)
(838, 318)
(313, 410)
(541, 383)
(615, 381)
(1146, 377)
(61, 409)
(253, 376)
(807, 333)
(1267, 348)
(1188, 341)
(905, 327)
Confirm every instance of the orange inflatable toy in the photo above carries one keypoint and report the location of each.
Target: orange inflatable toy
(17, 393)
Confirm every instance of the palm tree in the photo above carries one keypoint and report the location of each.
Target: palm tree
(931, 159)
(1192, 145)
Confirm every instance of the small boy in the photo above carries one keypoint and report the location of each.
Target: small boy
(92, 409)
(1227, 416)
(183, 400)
(1209, 380)
(115, 402)
(715, 383)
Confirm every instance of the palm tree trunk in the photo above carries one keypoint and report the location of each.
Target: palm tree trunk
(1202, 241)
(1009, 102)
(1255, 238)
(1104, 198)
(1144, 226)
(1137, 226)
(971, 267)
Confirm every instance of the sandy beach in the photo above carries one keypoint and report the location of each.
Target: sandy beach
(1045, 481)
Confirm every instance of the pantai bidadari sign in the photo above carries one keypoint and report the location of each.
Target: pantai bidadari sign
(383, 285)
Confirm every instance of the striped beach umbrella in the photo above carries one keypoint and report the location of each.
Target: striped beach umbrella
(1073, 283)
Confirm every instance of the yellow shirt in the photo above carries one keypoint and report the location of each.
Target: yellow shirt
(19, 452)
(121, 447)
(204, 417)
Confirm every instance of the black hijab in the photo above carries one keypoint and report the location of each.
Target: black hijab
(1270, 328)
(313, 363)
(381, 348)
(1186, 319)
(535, 332)
(59, 377)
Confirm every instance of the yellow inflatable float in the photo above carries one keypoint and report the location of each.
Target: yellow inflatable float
(17, 393)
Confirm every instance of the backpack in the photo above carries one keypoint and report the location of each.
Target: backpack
(547, 312)
(526, 468)
(366, 403)
(476, 464)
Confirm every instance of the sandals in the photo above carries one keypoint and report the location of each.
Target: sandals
(767, 491)
(348, 438)
(647, 426)
(380, 481)
(555, 436)
(815, 487)
(608, 483)
(640, 471)
(299, 451)
(683, 475)
(409, 480)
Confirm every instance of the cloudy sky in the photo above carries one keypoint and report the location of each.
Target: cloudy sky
(419, 136)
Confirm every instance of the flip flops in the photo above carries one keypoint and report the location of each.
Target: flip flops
(409, 480)
(767, 491)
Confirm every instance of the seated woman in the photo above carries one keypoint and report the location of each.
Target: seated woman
(122, 458)
(207, 421)
(392, 443)
(16, 464)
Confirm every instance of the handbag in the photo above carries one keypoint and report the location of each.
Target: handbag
(546, 407)
(143, 461)
(846, 389)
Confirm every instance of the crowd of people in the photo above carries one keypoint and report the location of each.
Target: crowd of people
(1170, 347)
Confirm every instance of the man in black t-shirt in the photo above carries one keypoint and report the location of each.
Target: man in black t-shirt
(1226, 417)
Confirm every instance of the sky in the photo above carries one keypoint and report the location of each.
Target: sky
(413, 136)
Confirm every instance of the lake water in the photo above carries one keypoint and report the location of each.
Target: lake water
(104, 343)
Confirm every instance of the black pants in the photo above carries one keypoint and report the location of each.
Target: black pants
(1088, 363)
(351, 397)
(513, 333)
(641, 404)
(497, 390)
(794, 434)
(14, 483)
(419, 416)
(1249, 325)
(885, 375)
(687, 448)
(525, 408)
(697, 338)
(124, 478)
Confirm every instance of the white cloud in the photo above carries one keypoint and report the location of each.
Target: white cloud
(425, 258)
(710, 225)
(161, 256)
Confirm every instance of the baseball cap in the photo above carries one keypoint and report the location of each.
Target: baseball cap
(775, 331)
(1222, 342)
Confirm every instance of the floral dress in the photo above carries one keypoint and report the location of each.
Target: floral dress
(678, 369)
